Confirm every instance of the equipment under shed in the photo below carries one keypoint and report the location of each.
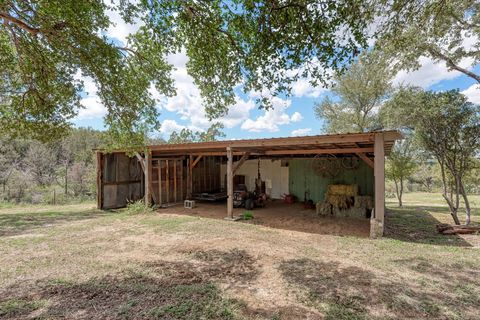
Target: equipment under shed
(340, 173)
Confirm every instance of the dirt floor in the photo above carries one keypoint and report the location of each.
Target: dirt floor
(279, 215)
(75, 262)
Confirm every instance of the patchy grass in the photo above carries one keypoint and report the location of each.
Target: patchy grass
(76, 262)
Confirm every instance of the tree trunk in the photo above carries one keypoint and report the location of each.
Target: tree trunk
(397, 191)
(66, 177)
(453, 209)
(467, 204)
(400, 203)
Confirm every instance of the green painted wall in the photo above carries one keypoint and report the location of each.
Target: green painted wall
(302, 178)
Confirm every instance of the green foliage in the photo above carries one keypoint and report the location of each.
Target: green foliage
(139, 207)
(359, 93)
(46, 45)
(445, 31)
(447, 126)
(247, 215)
(186, 135)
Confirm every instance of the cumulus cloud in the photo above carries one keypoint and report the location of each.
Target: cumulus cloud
(301, 132)
(430, 73)
(168, 126)
(296, 117)
(271, 118)
(119, 29)
(92, 106)
(473, 93)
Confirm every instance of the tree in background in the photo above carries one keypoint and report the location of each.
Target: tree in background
(446, 31)
(360, 92)
(447, 126)
(186, 135)
(400, 166)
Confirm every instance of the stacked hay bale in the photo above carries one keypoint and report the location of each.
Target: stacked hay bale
(343, 200)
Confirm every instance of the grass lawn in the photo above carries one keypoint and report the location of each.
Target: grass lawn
(74, 262)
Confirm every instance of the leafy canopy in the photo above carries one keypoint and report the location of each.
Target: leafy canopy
(447, 31)
(359, 93)
(264, 45)
(186, 135)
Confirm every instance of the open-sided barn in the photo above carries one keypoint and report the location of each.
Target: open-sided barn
(338, 173)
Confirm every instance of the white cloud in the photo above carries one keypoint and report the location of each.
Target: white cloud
(473, 93)
(168, 126)
(271, 119)
(303, 88)
(296, 117)
(237, 113)
(93, 108)
(429, 73)
(301, 132)
(119, 29)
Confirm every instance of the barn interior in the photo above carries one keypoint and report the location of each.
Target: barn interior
(336, 175)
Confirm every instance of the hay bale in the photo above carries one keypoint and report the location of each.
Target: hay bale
(355, 213)
(363, 202)
(340, 201)
(350, 190)
(324, 209)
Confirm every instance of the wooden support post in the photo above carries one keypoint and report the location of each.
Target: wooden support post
(160, 183)
(148, 179)
(189, 178)
(167, 181)
(99, 180)
(378, 217)
(229, 183)
(175, 179)
(181, 181)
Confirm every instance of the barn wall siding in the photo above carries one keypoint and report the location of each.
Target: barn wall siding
(304, 179)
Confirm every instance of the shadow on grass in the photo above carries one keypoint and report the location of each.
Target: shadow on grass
(354, 293)
(415, 224)
(154, 290)
(18, 223)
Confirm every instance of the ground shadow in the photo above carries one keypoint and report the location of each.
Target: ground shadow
(278, 215)
(154, 290)
(354, 293)
(18, 223)
(412, 224)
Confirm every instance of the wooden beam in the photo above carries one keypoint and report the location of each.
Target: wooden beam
(148, 179)
(175, 179)
(160, 184)
(229, 183)
(366, 159)
(319, 151)
(377, 224)
(167, 181)
(141, 160)
(99, 180)
(239, 163)
(189, 178)
(196, 161)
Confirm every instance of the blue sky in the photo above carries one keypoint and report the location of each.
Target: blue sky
(290, 116)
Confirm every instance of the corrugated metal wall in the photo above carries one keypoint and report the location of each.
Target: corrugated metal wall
(303, 178)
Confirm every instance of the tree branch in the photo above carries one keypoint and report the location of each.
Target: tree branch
(33, 31)
(437, 54)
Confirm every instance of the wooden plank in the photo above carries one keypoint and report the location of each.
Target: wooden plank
(189, 178)
(181, 180)
(167, 181)
(116, 183)
(175, 180)
(230, 183)
(160, 200)
(196, 161)
(379, 173)
(366, 159)
(141, 160)
(99, 180)
(242, 160)
(319, 151)
(148, 179)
